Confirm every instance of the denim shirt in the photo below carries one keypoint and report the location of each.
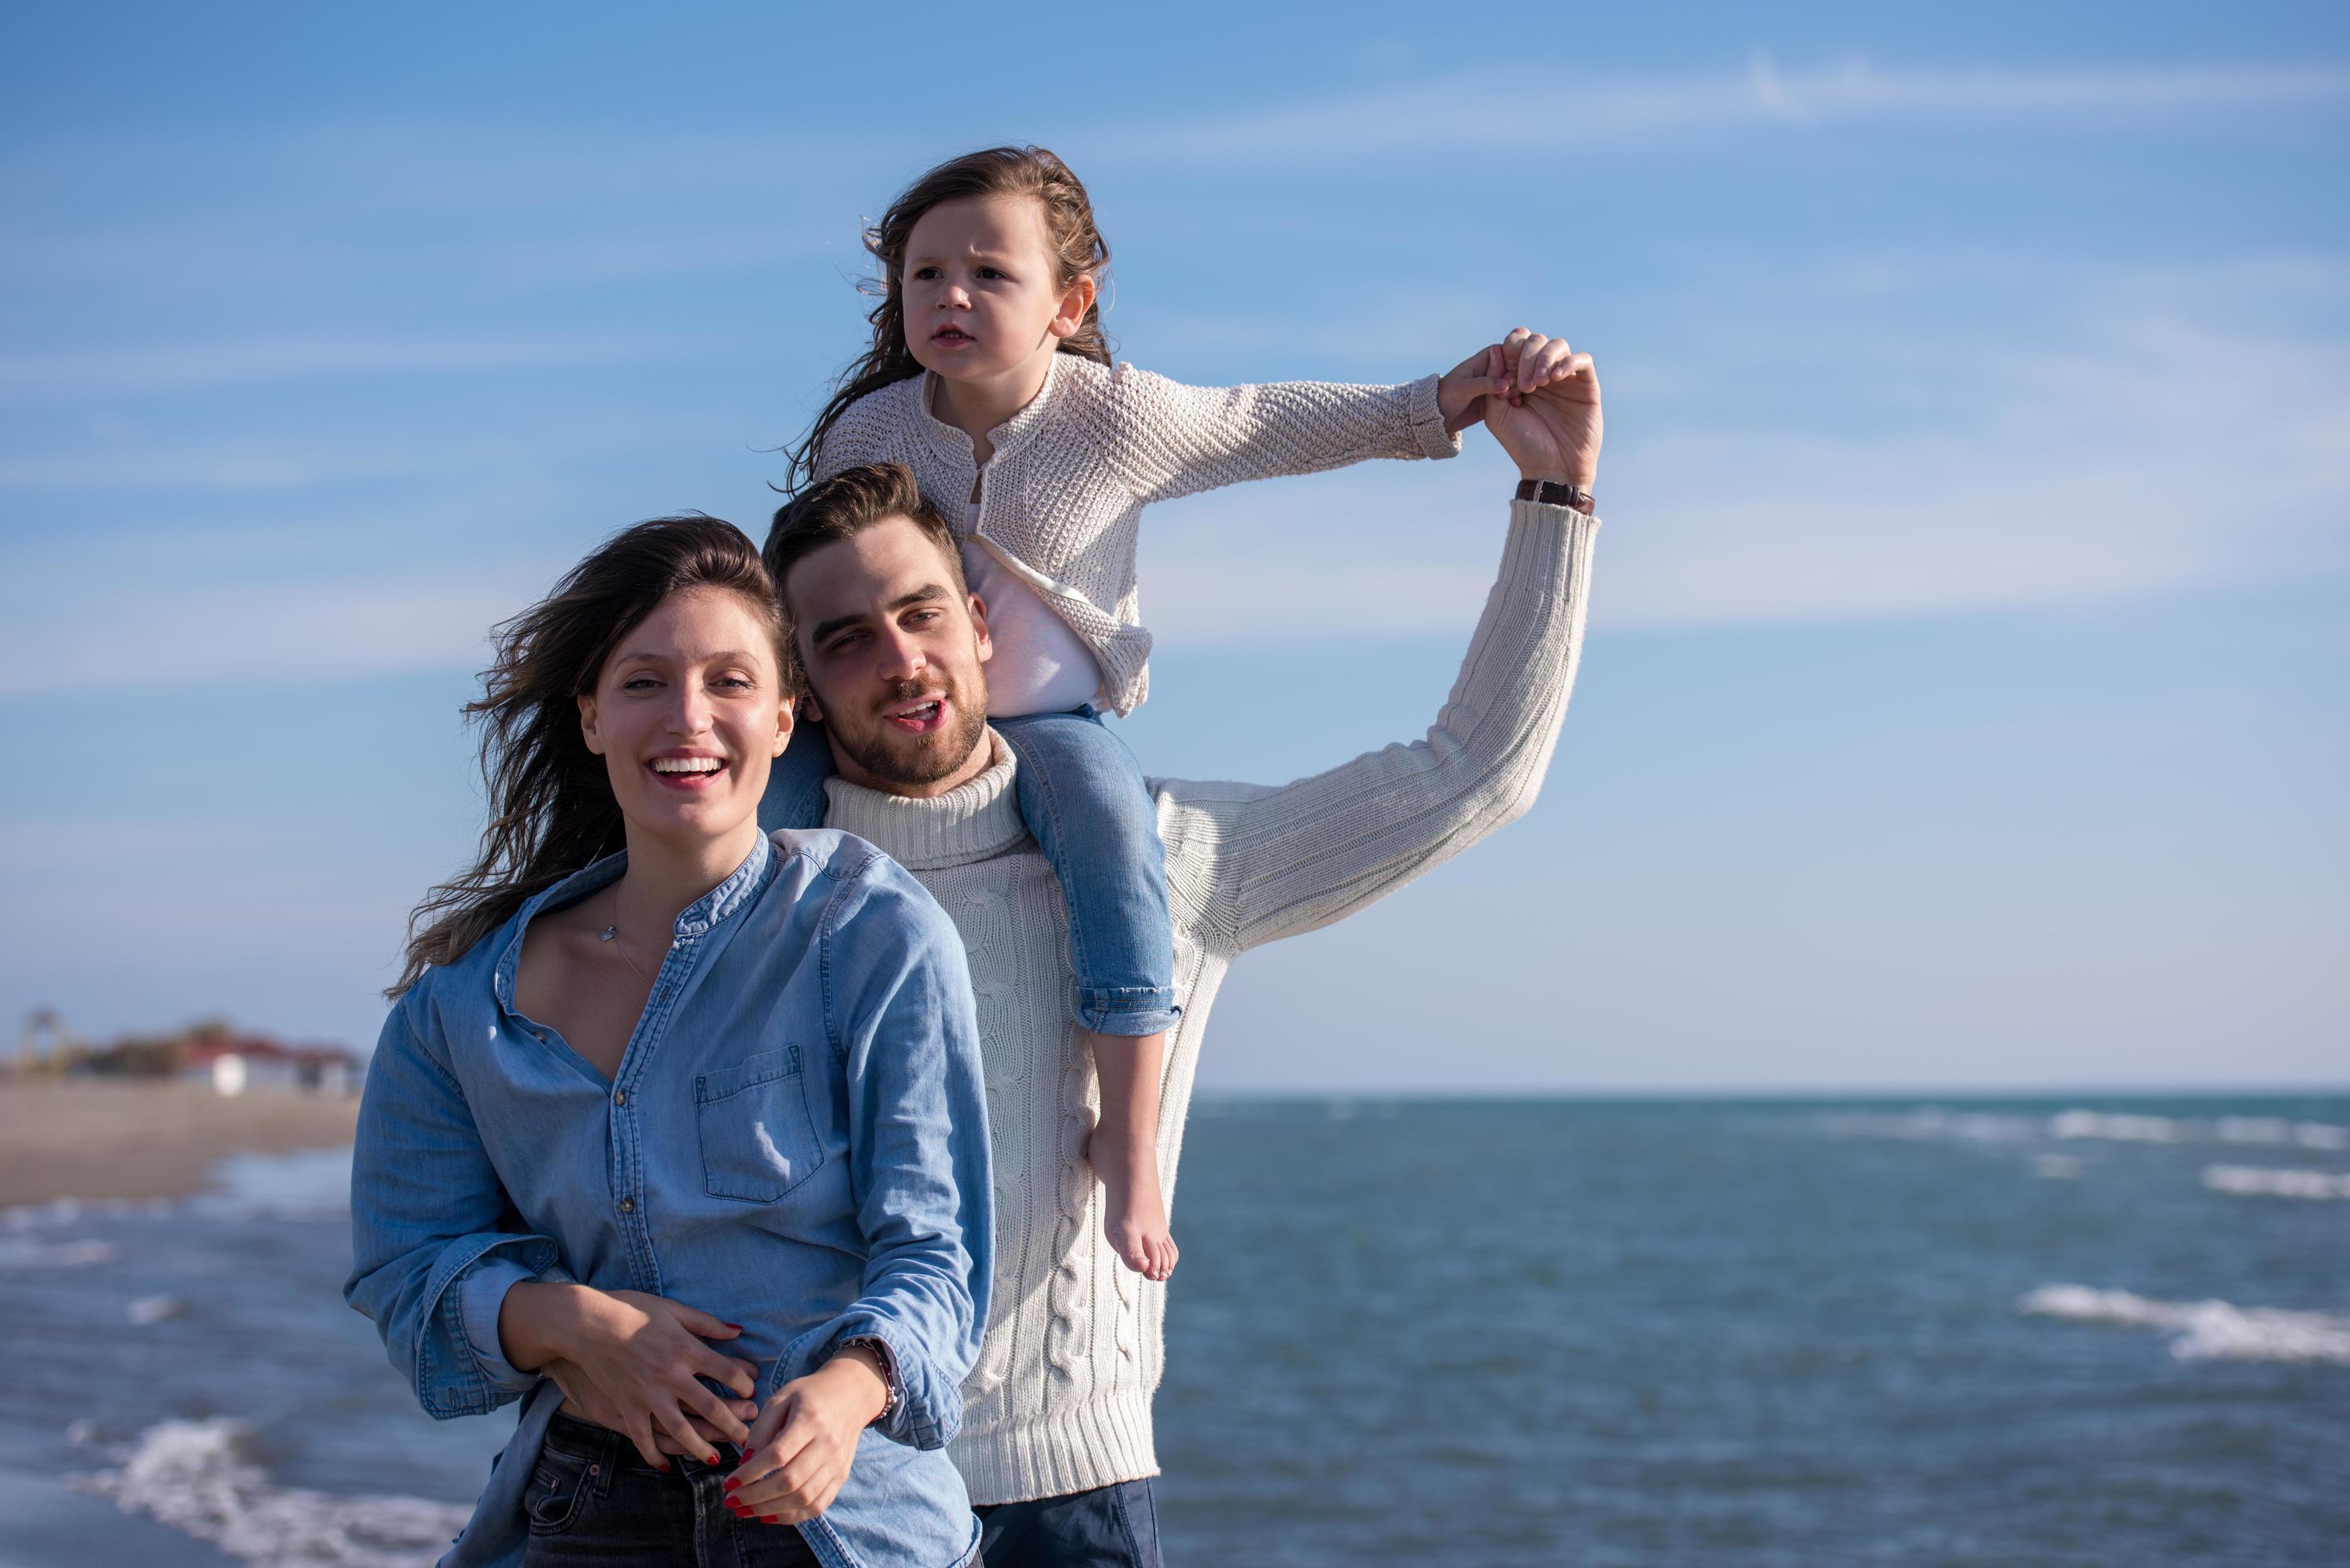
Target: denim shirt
(796, 1141)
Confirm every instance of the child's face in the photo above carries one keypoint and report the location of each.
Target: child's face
(982, 295)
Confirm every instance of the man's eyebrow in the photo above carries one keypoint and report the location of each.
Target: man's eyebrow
(923, 594)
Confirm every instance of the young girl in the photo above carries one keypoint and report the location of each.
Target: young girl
(989, 378)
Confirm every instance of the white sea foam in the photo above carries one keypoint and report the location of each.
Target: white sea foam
(2278, 1130)
(1933, 1122)
(2204, 1330)
(153, 1309)
(23, 1252)
(74, 1211)
(2056, 1167)
(2116, 1126)
(2261, 1181)
(196, 1477)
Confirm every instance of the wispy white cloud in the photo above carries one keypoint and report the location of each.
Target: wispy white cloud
(2135, 459)
(178, 367)
(93, 630)
(1484, 110)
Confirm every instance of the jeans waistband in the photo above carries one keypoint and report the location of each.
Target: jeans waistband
(613, 1450)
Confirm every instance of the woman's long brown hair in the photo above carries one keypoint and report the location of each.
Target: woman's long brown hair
(1078, 248)
(551, 805)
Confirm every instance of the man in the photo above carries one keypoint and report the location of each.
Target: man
(1057, 1441)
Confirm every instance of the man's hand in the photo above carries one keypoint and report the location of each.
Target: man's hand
(801, 1446)
(631, 1362)
(583, 1397)
(1548, 415)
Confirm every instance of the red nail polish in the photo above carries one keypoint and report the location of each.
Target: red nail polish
(733, 1482)
(746, 1456)
(735, 1326)
(711, 1461)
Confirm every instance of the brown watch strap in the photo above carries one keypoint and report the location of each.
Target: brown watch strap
(1550, 493)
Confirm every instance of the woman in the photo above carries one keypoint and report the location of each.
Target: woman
(709, 1068)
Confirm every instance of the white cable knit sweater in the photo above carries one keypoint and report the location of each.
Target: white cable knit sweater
(1060, 1402)
(1073, 471)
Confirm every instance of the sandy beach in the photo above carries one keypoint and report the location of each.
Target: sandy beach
(96, 1139)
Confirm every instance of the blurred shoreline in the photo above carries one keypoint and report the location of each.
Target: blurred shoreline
(97, 1139)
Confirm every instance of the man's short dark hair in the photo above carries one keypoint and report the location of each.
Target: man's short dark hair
(844, 506)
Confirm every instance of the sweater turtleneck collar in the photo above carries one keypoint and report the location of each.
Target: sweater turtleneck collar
(972, 822)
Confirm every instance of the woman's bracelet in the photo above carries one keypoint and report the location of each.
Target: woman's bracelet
(880, 1349)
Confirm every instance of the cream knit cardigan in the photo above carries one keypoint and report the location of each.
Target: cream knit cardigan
(1073, 471)
(1060, 1401)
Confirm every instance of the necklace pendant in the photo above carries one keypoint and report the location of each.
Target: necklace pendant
(608, 933)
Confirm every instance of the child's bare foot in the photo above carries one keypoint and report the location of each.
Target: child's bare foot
(1134, 1216)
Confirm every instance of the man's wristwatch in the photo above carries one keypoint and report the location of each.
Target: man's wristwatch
(1550, 493)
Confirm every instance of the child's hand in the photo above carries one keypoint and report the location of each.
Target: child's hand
(1460, 394)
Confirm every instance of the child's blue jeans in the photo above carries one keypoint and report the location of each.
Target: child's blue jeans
(1083, 796)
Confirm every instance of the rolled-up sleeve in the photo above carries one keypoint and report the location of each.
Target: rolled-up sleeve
(432, 1250)
(899, 1009)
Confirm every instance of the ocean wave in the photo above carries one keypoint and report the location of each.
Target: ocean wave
(196, 1477)
(2204, 1330)
(2118, 1127)
(2278, 1130)
(23, 1252)
(1933, 1121)
(2261, 1181)
(2083, 1124)
(59, 1211)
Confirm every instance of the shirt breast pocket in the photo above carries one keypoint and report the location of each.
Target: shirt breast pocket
(758, 1141)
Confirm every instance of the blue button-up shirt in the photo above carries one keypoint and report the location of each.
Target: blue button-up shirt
(796, 1141)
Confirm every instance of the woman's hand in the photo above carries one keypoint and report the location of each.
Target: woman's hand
(803, 1443)
(631, 1362)
(1547, 419)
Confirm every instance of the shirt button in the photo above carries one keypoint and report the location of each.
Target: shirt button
(627, 1206)
(619, 1096)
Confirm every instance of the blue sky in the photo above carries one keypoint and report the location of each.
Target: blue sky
(1964, 701)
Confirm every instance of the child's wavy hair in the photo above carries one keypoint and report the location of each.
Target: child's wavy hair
(1077, 246)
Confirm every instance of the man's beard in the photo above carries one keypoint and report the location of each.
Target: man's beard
(927, 758)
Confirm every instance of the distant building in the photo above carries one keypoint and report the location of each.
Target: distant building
(211, 1053)
(233, 1063)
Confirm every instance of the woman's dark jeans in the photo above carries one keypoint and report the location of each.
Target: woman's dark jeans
(593, 1499)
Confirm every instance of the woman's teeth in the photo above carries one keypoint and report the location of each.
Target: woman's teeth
(687, 765)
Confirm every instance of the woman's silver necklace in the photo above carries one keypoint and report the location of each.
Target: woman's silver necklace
(611, 934)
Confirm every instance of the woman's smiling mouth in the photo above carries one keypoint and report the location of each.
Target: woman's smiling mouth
(688, 773)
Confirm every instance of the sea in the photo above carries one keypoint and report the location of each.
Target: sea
(2087, 1329)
